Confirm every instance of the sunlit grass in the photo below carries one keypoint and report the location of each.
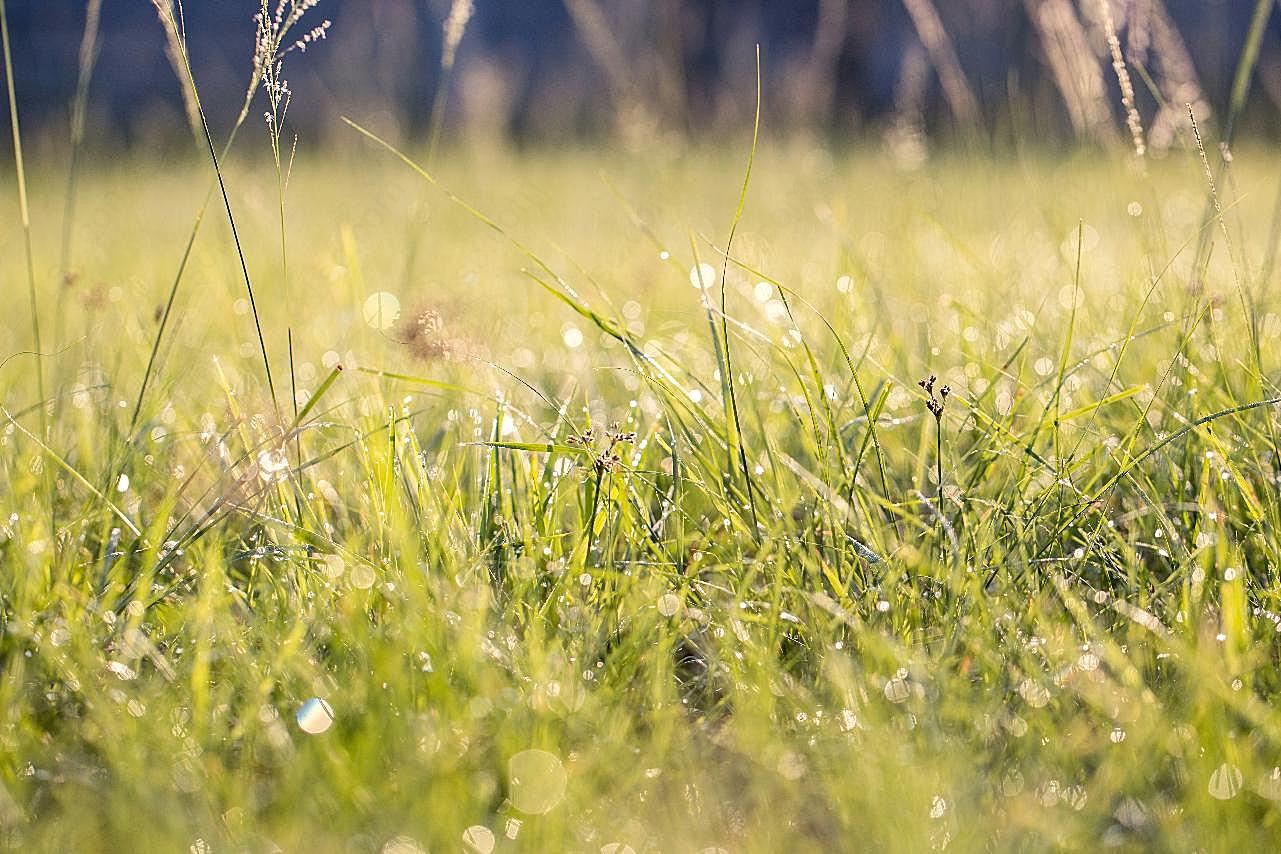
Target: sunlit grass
(227, 629)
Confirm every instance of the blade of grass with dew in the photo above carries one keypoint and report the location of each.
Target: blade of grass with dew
(727, 368)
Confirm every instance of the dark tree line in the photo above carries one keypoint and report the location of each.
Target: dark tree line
(911, 69)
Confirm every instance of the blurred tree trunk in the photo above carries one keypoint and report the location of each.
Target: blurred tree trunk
(929, 27)
(634, 119)
(1075, 67)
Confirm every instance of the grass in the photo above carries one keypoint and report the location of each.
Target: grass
(1047, 618)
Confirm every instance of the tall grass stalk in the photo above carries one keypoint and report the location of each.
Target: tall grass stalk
(731, 397)
(79, 107)
(455, 26)
(177, 26)
(1241, 79)
(1132, 120)
(1246, 63)
(271, 48)
(174, 38)
(25, 214)
(170, 23)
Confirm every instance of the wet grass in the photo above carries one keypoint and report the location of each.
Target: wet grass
(513, 507)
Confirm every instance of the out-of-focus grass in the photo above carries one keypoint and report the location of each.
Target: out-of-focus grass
(1071, 640)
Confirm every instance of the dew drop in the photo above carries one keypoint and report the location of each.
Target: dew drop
(334, 566)
(403, 845)
(479, 839)
(381, 310)
(315, 717)
(702, 276)
(1225, 782)
(272, 464)
(362, 576)
(1270, 785)
(537, 781)
(847, 720)
(123, 671)
(897, 690)
(1034, 693)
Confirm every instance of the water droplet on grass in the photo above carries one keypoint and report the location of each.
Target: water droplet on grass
(315, 717)
(669, 604)
(1034, 693)
(479, 838)
(1131, 813)
(403, 845)
(1225, 782)
(1270, 785)
(362, 576)
(123, 671)
(334, 566)
(897, 690)
(702, 276)
(381, 310)
(537, 781)
(1085, 239)
(272, 464)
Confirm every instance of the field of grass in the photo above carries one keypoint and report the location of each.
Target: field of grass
(510, 564)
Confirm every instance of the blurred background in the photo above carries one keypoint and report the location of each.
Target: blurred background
(909, 74)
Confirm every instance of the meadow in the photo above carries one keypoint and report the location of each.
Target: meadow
(570, 510)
